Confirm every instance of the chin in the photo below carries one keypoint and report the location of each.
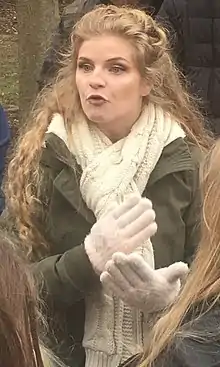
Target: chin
(97, 119)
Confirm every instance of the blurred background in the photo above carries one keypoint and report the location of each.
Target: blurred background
(25, 31)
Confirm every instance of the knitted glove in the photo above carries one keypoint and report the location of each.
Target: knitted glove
(123, 229)
(130, 278)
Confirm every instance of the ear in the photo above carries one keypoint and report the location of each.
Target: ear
(145, 88)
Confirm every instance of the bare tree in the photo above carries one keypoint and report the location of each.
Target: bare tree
(37, 20)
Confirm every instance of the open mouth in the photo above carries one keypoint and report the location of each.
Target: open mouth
(96, 99)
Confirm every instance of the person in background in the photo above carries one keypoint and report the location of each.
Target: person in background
(188, 334)
(4, 143)
(61, 38)
(117, 121)
(195, 33)
(19, 315)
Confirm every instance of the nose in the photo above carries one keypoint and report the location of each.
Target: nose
(97, 80)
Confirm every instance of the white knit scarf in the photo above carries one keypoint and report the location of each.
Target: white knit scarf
(111, 171)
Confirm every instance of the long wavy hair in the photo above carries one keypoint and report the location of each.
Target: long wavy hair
(18, 309)
(154, 63)
(203, 283)
(20, 318)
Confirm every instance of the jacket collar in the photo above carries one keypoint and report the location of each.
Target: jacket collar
(175, 157)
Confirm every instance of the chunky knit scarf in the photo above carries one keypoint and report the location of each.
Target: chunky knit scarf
(114, 331)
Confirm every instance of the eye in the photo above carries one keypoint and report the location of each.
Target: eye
(117, 69)
(85, 67)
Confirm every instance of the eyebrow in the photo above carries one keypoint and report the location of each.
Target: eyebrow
(117, 59)
(113, 59)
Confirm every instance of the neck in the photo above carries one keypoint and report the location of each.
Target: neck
(115, 134)
(118, 130)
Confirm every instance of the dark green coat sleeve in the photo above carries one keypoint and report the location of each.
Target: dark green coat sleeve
(176, 200)
(192, 220)
(68, 275)
(66, 278)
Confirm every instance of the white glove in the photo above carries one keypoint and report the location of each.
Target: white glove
(130, 278)
(123, 229)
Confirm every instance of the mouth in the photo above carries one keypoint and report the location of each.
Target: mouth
(96, 99)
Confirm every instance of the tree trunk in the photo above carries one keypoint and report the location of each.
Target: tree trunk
(37, 20)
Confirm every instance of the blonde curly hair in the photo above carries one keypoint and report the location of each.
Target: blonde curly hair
(154, 63)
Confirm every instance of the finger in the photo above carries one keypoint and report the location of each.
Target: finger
(176, 271)
(122, 262)
(141, 237)
(144, 205)
(109, 283)
(141, 222)
(116, 275)
(141, 268)
(128, 203)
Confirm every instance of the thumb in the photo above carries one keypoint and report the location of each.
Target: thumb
(176, 271)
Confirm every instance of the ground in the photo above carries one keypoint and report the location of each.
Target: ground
(9, 61)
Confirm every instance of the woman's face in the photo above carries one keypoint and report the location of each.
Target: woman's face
(109, 84)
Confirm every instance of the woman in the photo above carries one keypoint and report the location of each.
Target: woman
(19, 317)
(117, 121)
(188, 335)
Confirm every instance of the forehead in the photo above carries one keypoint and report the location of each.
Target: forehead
(107, 47)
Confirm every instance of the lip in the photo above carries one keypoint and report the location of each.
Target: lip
(96, 97)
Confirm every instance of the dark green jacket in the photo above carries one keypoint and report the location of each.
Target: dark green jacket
(67, 273)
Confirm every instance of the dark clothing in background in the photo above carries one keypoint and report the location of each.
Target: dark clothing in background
(61, 37)
(189, 352)
(195, 34)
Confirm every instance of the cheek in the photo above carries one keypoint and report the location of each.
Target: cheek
(130, 91)
(130, 87)
(121, 87)
(79, 83)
